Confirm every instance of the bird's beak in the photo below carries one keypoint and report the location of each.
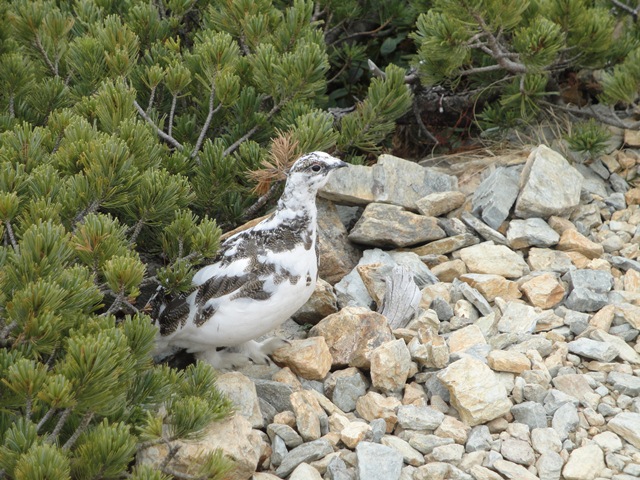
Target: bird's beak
(339, 164)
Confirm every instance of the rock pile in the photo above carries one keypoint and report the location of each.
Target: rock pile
(521, 362)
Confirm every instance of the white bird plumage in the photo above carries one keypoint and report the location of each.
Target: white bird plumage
(258, 279)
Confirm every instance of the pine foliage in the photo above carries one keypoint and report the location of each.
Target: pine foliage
(127, 132)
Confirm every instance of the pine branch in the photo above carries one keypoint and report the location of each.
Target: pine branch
(173, 451)
(64, 416)
(421, 125)
(12, 100)
(4, 333)
(172, 112)
(43, 52)
(235, 145)
(161, 134)
(253, 209)
(612, 120)
(92, 208)
(12, 237)
(488, 68)
(207, 122)
(46, 418)
(152, 97)
(86, 420)
(626, 8)
(497, 51)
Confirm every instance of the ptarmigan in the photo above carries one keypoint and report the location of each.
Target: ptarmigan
(257, 280)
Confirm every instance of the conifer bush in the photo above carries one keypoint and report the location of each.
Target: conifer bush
(128, 130)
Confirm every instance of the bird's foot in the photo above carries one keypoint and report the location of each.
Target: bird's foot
(232, 358)
(223, 360)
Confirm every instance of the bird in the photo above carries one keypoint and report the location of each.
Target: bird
(258, 278)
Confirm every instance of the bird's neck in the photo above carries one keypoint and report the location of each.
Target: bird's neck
(297, 201)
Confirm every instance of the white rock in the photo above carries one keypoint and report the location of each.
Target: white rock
(585, 463)
(494, 259)
(627, 425)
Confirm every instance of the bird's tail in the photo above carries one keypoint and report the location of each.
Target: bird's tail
(157, 303)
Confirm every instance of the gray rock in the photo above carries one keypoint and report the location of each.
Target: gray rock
(517, 451)
(545, 440)
(337, 470)
(307, 452)
(442, 308)
(549, 466)
(378, 429)
(425, 443)
(447, 245)
(451, 453)
(440, 203)
(532, 232)
(586, 300)
(513, 471)
(495, 196)
(344, 387)
(351, 291)
(377, 462)
(623, 263)
(290, 437)
(518, 318)
(473, 296)
(484, 230)
(530, 413)
(479, 439)
(419, 418)
(598, 281)
(278, 451)
(421, 273)
(545, 259)
(274, 393)
(585, 347)
(549, 185)
(616, 201)
(565, 420)
(383, 225)
(625, 383)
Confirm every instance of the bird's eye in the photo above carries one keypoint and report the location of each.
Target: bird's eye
(316, 167)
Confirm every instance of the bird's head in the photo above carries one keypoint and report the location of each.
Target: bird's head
(313, 169)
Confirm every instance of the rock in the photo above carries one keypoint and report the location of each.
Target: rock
(517, 451)
(513, 471)
(585, 463)
(475, 391)
(478, 472)
(491, 286)
(425, 443)
(392, 180)
(493, 259)
(409, 454)
(352, 292)
(495, 196)
(390, 364)
(446, 245)
(532, 414)
(337, 470)
(373, 405)
(242, 392)
(627, 425)
(309, 358)
(484, 230)
(354, 433)
(479, 439)
(624, 383)
(453, 428)
(597, 280)
(338, 256)
(419, 418)
(275, 394)
(565, 420)
(544, 291)
(377, 462)
(549, 466)
(352, 334)
(323, 302)
(287, 434)
(586, 300)
(383, 225)
(609, 442)
(440, 203)
(449, 271)
(585, 347)
(451, 453)
(548, 185)
(233, 437)
(344, 387)
(311, 419)
(573, 241)
(632, 138)
(465, 338)
(544, 259)
(532, 232)
(304, 471)
(421, 273)
(307, 452)
(518, 318)
(473, 296)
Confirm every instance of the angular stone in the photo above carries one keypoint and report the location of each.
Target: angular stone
(475, 391)
(513, 471)
(373, 405)
(391, 180)
(307, 452)
(354, 433)
(627, 425)
(545, 440)
(549, 466)
(532, 414)
(493, 259)
(508, 361)
(597, 280)
(532, 232)
(632, 138)
(479, 439)
(491, 286)
(585, 463)
(453, 428)
(517, 451)
(447, 245)
(390, 364)
(425, 443)
(323, 302)
(565, 420)
(448, 271)
(451, 453)
(286, 433)
(624, 383)
(233, 437)
(309, 358)
(473, 296)
(484, 230)
(575, 385)
(304, 471)
(518, 318)
(383, 225)
(377, 462)
(409, 454)
(311, 419)
(544, 259)
(242, 392)
(440, 203)
(465, 338)
(585, 347)
(274, 393)
(574, 241)
(548, 185)
(338, 256)
(494, 197)
(478, 472)
(544, 291)
(586, 300)
(412, 417)
(352, 334)
(344, 387)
